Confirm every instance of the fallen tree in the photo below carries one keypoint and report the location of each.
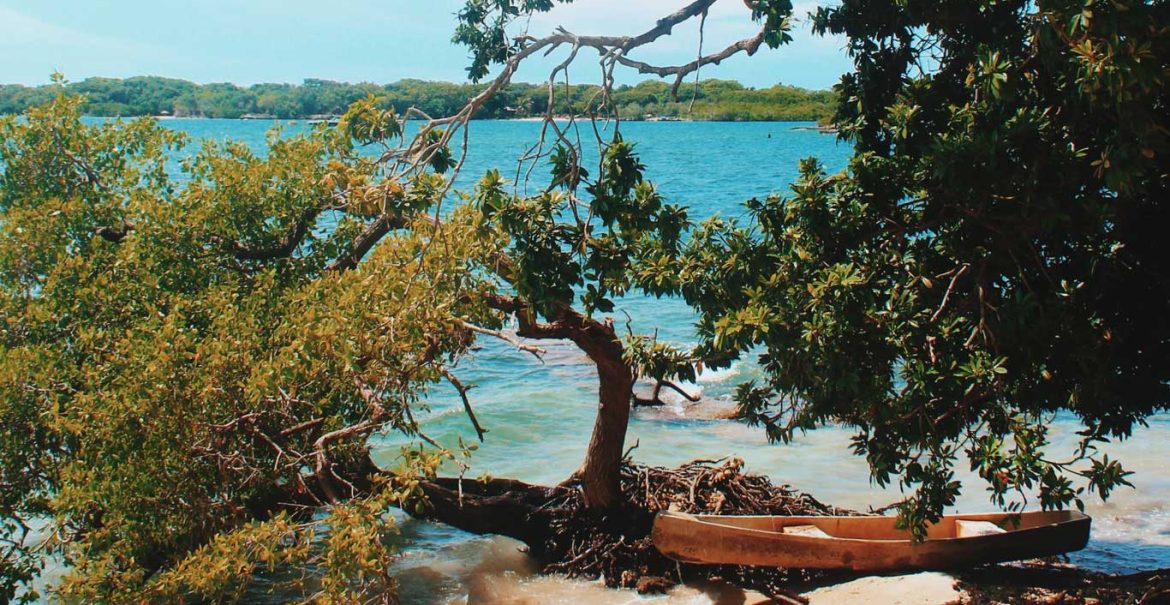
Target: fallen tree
(568, 537)
(193, 371)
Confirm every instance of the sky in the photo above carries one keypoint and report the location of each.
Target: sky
(250, 41)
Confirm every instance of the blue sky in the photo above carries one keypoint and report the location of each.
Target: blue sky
(249, 41)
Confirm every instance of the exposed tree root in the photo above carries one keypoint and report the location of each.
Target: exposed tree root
(616, 545)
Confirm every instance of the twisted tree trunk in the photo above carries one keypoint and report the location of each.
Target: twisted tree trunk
(600, 472)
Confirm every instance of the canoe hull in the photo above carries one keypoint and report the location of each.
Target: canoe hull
(865, 543)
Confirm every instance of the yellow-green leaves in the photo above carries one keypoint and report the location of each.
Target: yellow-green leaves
(367, 122)
(180, 361)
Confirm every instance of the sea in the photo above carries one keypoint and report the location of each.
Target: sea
(539, 415)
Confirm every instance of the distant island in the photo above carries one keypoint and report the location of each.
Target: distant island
(319, 99)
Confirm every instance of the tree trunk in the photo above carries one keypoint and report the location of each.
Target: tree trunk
(499, 506)
(600, 473)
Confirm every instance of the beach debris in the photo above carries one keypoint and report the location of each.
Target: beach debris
(617, 548)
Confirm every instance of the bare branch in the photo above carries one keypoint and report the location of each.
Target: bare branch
(304, 426)
(463, 389)
(612, 49)
(536, 352)
(664, 25)
(417, 430)
(323, 468)
(748, 45)
(680, 391)
(950, 289)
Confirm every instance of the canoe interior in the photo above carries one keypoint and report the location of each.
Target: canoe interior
(882, 528)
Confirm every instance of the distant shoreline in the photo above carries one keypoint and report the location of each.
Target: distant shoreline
(817, 128)
(651, 100)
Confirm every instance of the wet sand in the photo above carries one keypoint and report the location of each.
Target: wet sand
(915, 589)
(502, 574)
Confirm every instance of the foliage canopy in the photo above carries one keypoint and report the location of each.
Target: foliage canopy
(990, 259)
(185, 372)
(190, 373)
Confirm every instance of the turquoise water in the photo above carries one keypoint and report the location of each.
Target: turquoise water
(539, 416)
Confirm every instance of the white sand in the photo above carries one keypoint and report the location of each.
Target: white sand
(915, 589)
(929, 588)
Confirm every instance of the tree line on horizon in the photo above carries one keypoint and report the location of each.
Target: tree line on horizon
(715, 100)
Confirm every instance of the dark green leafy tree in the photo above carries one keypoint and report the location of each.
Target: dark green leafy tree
(991, 258)
(566, 257)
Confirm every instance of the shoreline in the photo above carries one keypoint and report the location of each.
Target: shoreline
(512, 578)
(538, 119)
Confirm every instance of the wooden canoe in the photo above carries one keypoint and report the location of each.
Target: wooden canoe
(867, 543)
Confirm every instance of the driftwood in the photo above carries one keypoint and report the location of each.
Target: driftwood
(615, 544)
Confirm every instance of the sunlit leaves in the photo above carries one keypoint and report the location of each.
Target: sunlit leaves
(563, 246)
(776, 16)
(990, 74)
(172, 381)
(657, 360)
(367, 123)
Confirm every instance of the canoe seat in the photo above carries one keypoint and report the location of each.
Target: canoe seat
(968, 529)
(810, 531)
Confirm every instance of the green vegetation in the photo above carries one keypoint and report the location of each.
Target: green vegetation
(152, 96)
(187, 376)
(991, 257)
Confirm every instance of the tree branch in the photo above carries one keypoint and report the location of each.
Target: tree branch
(748, 45)
(463, 389)
(665, 25)
(323, 468)
(115, 235)
(536, 352)
(680, 391)
(285, 247)
(365, 241)
(417, 430)
(304, 426)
